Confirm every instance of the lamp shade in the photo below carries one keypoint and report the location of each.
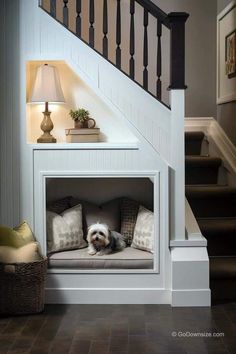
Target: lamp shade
(47, 87)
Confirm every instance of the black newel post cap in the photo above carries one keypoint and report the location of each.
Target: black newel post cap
(178, 17)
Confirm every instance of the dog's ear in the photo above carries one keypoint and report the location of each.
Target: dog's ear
(109, 237)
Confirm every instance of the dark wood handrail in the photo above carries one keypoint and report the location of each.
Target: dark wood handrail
(155, 11)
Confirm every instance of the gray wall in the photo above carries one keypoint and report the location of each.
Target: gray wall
(9, 113)
(226, 113)
(200, 53)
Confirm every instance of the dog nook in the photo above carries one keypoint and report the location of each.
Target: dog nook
(124, 204)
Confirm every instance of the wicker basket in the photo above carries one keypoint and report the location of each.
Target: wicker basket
(22, 287)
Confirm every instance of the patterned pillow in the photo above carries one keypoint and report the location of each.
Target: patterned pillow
(60, 205)
(65, 232)
(129, 211)
(144, 230)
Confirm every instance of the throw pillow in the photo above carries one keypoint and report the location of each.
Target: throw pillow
(60, 205)
(108, 213)
(25, 254)
(144, 230)
(65, 231)
(17, 237)
(129, 211)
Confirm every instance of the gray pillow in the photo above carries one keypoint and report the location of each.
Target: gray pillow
(108, 213)
(65, 231)
(60, 205)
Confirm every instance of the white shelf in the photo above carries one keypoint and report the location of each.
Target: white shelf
(85, 146)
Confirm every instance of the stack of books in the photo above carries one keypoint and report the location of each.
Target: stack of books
(83, 135)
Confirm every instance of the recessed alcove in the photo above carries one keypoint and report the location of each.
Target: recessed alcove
(77, 94)
(106, 193)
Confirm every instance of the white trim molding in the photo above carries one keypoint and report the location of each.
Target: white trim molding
(107, 296)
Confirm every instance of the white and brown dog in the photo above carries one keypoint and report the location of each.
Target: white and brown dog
(103, 241)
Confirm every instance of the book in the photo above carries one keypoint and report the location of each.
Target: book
(82, 131)
(82, 138)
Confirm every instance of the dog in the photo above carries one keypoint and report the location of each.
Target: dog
(103, 241)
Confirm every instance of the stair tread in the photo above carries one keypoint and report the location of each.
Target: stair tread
(196, 135)
(223, 267)
(208, 189)
(218, 225)
(203, 160)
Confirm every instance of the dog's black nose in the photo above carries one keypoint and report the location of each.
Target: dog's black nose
(97, 238)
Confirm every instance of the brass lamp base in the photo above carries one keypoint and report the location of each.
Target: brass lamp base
(46, 126)
(46, 138)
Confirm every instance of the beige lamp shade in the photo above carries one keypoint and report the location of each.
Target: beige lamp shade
(47, 87)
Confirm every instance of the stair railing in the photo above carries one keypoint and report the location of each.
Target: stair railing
(174, 22)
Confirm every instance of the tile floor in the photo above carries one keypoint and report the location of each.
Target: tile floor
(121, 329)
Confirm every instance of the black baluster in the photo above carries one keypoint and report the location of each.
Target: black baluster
(78, 18)
(159, 66)
(105, 30)
(65, 13)
(53, 7)
(145, 50)
(132, 40)
(91, 20)
(118, 35)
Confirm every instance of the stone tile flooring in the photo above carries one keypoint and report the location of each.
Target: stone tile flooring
(121, 329)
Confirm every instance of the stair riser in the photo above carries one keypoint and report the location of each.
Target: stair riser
(193, 147)
(221, 245)
(213, 207)
(201, 174)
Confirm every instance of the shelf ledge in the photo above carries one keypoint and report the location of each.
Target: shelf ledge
(85, 146)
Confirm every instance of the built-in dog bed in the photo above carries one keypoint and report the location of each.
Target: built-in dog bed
(129, 258)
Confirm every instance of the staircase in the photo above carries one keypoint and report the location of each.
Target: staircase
(214, 206)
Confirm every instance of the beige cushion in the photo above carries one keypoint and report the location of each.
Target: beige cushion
(144, 230)
(65, 231)
(25, 254)
(129, 258)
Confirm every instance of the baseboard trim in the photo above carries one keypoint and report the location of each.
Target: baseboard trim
(107, 296)
(175, 298)
(195, 297)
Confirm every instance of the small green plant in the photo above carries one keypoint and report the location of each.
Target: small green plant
(81, 115)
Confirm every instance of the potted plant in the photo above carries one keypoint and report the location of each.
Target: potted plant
(81, 118)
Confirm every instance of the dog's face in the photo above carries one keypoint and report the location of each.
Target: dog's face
(98, 235)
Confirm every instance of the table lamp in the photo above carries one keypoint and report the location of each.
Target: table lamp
(47, 89)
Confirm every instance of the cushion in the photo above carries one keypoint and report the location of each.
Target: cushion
(129, 211)
(108, 213)
(65, 232)
(144, 230)
(60, 205)
(17, 237)
(129, 258)
(25, 254)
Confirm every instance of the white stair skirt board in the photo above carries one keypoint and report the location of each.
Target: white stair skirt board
(190, 276)
(108, 296)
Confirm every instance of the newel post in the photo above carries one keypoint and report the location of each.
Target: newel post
(177, 50)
